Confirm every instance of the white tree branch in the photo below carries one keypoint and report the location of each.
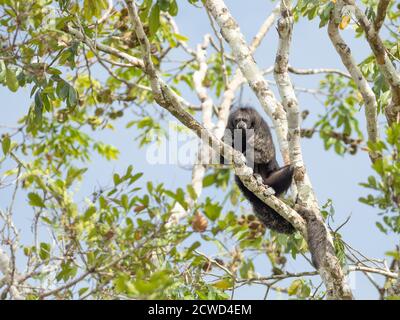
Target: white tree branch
(319, 237)
(386, 66)
(368, 95)
(238, 79)
(254, 76)
(7, 270)
(318, 71)
(329, 267)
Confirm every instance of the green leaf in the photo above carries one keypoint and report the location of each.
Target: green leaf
(294, 287)
(11, 80)
(208, 180)
(154, 19)
(73, 174)
(125, 202)
(44, 252)
(38, 105)
(5, 144)
(144, 9)
(224, 284)
(178, 196)
(163, 4)
(135, 177)
(116, 179)
(173, 8)
(35, 200)
(62, 89)
(381, 227)
(192, 192)
(82, 291)
(180, 37)
(212, 210)
(89, 213)
(72, 97)
(46, 102)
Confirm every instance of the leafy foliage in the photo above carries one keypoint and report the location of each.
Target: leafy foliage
(117, 241)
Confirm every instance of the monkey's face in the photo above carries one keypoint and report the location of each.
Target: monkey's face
(241, 129)
(241, 119)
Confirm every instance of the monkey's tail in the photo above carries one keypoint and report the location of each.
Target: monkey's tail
(271, 219)
(316, 231)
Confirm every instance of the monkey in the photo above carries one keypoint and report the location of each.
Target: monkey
(247, 132)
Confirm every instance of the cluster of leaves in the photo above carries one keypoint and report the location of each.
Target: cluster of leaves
(342, 102)
(151, 12)
(314, 8)
(124, 227)
(386, 182)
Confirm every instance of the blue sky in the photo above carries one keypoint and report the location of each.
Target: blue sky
(332, 176)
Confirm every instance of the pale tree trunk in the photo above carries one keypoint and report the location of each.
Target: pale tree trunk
(319, 236)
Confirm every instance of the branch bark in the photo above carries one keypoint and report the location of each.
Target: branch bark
(386, 66)
(317, 71)
(319, 238)
(218, 129)
(238, 79)
(381, 14)
(6, 269)
(368, 95)
(254, 76)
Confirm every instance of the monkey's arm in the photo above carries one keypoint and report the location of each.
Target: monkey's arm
(280, 179)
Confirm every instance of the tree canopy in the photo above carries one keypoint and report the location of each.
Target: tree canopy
(96, 67)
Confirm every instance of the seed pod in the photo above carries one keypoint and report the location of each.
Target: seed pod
(199, 223)
(207, 266)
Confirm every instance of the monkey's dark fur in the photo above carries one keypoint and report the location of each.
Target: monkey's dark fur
(257, 145)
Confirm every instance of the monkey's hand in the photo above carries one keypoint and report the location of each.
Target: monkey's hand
(260, 181)
(258, 178)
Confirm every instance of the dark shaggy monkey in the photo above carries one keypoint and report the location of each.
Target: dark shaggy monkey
(248, 133)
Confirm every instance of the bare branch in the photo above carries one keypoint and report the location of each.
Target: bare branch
(203, 156)
(318, 71)
(135, 62)
(207, 110)
(7, 270)
(382, 272)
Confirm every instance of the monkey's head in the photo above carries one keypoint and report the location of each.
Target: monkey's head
(244, 118)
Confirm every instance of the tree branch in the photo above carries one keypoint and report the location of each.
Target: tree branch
(381, 14)
(318, 71)
(368, 95)
(386, 66)
(254, 76)
(238, 79)
(320, 241)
